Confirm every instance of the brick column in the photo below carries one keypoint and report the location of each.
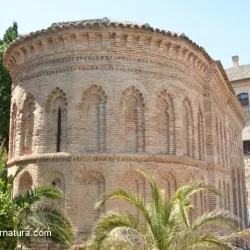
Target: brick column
(141, 128)
(178, 126)
(39, 131)
(172, 134)
(102, 127)
(18, 143)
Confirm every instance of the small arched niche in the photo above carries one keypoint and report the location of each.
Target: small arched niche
(25, 183)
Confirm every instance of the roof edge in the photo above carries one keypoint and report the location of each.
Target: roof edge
(102, 22)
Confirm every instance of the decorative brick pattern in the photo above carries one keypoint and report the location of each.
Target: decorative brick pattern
(56, 122)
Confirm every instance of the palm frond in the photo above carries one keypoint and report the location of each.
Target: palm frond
(11, 178)
(204, 241)
(165, 224)
(129, 236)
(243, 234)
(137, 200)
(221, 217)
(47, 218)
(193, 187)
(113, 220)
(157, 194)
(30, 197)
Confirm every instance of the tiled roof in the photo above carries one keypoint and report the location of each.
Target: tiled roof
(103, 20)
(237, 73)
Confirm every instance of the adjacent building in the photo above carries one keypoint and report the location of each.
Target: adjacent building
(239, 77)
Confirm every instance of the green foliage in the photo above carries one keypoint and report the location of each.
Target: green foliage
(8, 209)
(35, 215)
(10, 34)
(8, 217)
(3, 165)
(164, 224)
(26, 212)
(5, 83)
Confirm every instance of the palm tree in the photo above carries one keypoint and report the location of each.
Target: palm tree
(29, 213)
(34, 215)
(165, 224)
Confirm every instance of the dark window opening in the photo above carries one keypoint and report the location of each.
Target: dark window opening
(59, 130)
(246, 146)
(244, 100)
(57, 183)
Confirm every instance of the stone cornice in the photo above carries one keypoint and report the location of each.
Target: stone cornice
(104, 23)
(224, 75)
(87, 40)
(140, 158)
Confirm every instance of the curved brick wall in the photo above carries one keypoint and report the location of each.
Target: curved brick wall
(94, 100)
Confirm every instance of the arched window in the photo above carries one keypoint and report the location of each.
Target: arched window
(56, 122)
(25, 183)
(133, 120)
(27, 125)
(165, 123)
(94, 111)
(170, 185)
(134, 182)
(93, 186)
(131, 124)
(56, 179)
(59, 183)
(94, 120)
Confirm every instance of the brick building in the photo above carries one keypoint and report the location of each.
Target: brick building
(239, 76)
(94, 100)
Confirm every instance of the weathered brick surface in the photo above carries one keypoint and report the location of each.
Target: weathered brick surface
(243, 86)
(125, 99)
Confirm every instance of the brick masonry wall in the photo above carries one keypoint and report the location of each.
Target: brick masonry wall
(240, 87)
(92, 105)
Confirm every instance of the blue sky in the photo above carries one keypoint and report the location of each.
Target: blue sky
(222, 27)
